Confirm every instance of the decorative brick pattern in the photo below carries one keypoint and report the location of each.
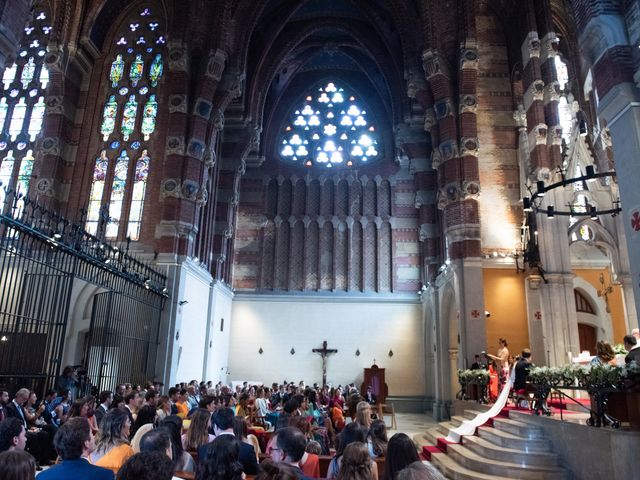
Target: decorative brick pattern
(369, 199)
(369, 254)
(311, 256)
(341, 257)
(326, 257)
(296, 260)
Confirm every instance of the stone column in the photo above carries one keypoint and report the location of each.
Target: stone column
(537, 339)
(631, 314)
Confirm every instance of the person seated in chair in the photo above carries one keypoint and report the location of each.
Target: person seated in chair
(522, 372)
(74, 442)
(13, 436)
(370, 396)
(223, 425)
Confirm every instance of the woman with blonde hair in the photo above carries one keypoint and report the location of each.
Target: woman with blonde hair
(356, 463)
(112, 441)
(198, 432)
(363, 414)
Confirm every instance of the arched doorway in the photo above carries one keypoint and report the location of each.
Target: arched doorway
(588, 337)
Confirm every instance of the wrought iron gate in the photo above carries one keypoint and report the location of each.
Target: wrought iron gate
(123, 339)
(41, 254)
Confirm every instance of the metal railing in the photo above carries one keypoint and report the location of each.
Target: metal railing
(44, 257)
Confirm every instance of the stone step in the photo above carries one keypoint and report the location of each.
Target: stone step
(432, 435)
(469, 414)
(518, 428)
(423, 439)
(508, 440)
(445, 427)
(457, 420)
(472, 461)
(502, 454)
(453, 470)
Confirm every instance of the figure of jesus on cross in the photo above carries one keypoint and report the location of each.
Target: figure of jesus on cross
(324, 353)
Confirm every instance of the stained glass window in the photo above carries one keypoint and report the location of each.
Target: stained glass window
(24, 174)
(129, 117)
(6, 174)
(118, 187)
(331, 128)
(109, 118)
(3, 112)
(137, 66)
(155, 71)
(27, 73)
(17, 119)
(97, 188)
(137, 198)
(23, 105)
(565, 112)
(149, 117)
(9, 75)
(133, 75)
(561, 72)
(37, 116)
(117, 67)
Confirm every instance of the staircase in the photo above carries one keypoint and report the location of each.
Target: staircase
(503, 448)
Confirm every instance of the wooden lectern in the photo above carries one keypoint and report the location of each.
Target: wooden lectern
(374, 376)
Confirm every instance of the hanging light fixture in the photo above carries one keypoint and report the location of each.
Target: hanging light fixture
(551, 212)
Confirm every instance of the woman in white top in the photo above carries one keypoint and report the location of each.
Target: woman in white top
(503, 360)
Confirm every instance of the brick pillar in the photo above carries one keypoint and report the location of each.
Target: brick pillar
(238, 142)
(548, 52)
(456, 158)
(54, 154)
(534, 88)
(426, 182)
(174, 233)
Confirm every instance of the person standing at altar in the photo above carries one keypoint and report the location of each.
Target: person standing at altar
(502, 358)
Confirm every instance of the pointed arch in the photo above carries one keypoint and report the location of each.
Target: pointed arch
(132, 77)
(22, 100)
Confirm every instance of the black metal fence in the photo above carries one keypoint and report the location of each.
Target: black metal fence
(42, 254)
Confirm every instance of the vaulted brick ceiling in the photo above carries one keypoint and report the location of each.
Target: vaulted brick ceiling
(296, 45)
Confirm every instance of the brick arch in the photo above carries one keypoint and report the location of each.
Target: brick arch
(265, 72)
(109, 15)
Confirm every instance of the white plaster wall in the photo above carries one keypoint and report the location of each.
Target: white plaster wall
(373, 327)
(218, 345)
(191, 323)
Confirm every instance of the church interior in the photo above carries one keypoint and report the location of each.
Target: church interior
(214, 189)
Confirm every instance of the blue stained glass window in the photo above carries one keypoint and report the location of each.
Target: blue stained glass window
(330, 128)
(129, 118)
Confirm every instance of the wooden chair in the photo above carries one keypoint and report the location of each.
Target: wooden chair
(388, 409)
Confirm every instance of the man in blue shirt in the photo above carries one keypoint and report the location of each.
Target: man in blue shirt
(74, 442)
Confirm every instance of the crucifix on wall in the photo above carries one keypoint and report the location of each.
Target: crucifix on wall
(324, 353)
(605, 291)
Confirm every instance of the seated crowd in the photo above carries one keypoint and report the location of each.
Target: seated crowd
(204, 432)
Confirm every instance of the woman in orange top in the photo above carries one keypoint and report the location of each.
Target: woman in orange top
(182, 405)
(112, 441)
(337, 417)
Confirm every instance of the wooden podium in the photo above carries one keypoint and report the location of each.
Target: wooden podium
(374, 377)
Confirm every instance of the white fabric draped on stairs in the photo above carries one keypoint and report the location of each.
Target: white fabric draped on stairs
(468, 427)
